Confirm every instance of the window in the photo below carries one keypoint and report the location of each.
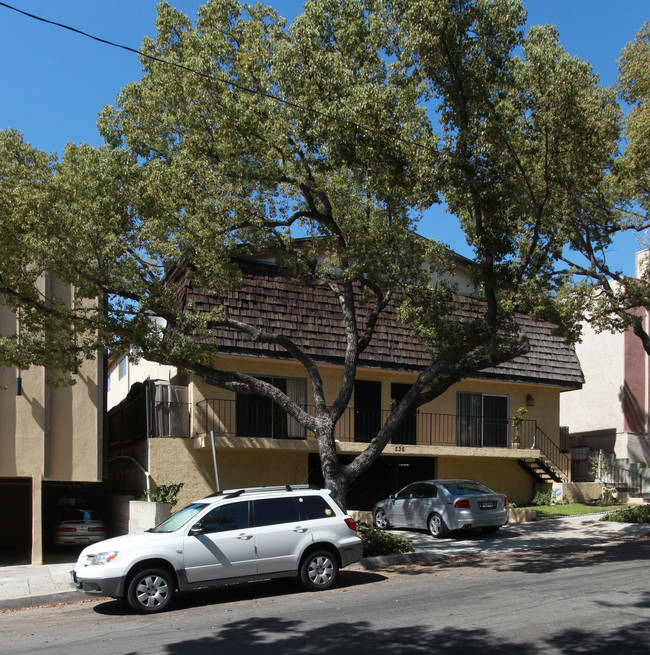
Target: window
(466, 487)
(313, 507)
(233, 516)
(482, 420)
(272, 511)
(258, 416)
(121, 368)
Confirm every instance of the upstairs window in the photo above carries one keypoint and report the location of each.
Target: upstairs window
(258, 416)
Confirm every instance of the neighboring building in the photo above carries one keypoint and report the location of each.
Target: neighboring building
(50, 447)
(465, 433)
(122, 373)
(610, 412)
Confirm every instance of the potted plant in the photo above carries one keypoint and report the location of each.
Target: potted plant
(517, 420)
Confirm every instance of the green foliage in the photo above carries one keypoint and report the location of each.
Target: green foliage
(542, 498)
(378, 542)
(632, 514)
(165, 493)
(570, 509)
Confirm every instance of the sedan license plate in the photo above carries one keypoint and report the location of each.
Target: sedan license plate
(492, 504)
(82, 540)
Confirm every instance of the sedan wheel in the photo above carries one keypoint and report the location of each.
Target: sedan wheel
(436, 525)
(319, 571)
(381, 520)
(151, 591)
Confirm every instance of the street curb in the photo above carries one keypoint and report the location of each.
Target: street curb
(37, 601)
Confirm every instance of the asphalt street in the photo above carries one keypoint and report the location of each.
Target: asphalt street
(28, 586)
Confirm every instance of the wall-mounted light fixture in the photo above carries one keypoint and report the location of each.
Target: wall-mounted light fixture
(530, 401)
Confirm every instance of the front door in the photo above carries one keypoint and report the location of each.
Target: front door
(226, 546)
(405, 433)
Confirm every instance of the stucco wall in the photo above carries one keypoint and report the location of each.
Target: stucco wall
(46, 433)
(176, 460)
(597, 406)
(504, 476)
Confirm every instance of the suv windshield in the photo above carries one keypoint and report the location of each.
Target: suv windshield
(178, 520)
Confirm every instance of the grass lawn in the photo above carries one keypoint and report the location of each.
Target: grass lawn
(572, 509)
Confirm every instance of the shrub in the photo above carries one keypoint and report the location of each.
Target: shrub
(378, 542)
(542, 498)
(165, 493)
(637, 514)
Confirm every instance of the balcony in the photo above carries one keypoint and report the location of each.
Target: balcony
(227, 418)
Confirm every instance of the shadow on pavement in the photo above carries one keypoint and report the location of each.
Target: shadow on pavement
(232, 593)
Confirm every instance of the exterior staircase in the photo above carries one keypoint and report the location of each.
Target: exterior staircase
(542, 469)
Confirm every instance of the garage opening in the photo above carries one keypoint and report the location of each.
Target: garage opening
(16, 534)
(386, 476)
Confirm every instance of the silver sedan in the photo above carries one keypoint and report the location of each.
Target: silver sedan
(443, 505)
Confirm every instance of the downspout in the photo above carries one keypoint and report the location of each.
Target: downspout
(47, 396)
(214, 460)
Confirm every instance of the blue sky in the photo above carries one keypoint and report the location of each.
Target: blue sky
(55, 82)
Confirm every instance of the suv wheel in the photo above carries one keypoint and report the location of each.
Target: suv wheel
(150, 590)
(319, 570)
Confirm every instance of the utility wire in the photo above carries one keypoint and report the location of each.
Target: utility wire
(214, 78)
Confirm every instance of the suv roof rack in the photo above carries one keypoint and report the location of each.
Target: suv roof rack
(234, 493)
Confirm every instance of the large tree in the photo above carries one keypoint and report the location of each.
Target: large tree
(613, 300)
(245, 133)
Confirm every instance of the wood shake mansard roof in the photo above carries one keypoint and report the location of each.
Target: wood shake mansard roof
(311, 317)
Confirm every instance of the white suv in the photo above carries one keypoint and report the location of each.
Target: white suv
(237, 535)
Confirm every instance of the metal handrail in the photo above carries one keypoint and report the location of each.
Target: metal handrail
(621, 477)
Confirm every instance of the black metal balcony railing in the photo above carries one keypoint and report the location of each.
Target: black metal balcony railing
(263, 420)
(232, 418)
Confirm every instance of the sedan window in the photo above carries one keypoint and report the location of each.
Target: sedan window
(462, 488)
(407, 492)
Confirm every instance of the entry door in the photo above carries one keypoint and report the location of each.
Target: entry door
(367, 409)
(482, 420)
(495, 421)
(226, 547)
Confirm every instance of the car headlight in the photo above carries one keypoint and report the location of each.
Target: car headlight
(103, 558)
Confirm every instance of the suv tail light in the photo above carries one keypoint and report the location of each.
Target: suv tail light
(462, 504)
(351, 523)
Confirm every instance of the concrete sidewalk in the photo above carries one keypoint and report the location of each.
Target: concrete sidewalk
(28, 586)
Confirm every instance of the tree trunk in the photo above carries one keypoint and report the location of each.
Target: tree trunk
(334, 474)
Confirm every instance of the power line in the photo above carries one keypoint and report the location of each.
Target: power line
(214, 78)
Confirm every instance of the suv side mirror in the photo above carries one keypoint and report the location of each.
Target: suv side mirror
(196, 529)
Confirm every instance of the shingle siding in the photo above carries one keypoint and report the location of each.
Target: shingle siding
(312, 318)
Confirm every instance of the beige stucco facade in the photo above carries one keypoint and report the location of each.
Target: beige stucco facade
(48, 436)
